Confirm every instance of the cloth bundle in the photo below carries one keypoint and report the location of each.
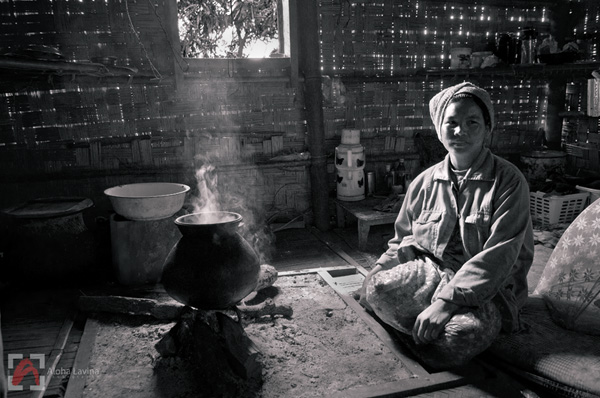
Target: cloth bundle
(398, 295)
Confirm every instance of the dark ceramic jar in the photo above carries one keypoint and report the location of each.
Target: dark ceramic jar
(49, 242)
(212, 266)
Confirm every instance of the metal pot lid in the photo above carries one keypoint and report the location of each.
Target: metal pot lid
(49, 207)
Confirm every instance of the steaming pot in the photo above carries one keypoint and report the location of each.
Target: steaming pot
(212, 266)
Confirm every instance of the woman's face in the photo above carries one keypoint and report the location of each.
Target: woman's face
(464, 131)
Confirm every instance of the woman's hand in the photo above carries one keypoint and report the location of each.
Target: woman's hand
(361, 294)
(430, 323)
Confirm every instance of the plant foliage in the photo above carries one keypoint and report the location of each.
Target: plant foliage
(224, 28)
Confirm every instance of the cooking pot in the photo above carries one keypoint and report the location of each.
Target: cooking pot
(212, 266)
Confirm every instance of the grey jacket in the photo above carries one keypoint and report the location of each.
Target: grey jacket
(495, 226)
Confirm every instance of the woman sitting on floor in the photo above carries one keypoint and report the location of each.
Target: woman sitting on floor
(455, 273)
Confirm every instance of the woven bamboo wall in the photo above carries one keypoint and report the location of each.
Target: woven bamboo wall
(78, 133)
(78, 128)
(387, 59)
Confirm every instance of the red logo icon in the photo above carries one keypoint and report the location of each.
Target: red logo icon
(24, 367)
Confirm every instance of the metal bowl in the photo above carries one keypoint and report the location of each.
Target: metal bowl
(147, 201)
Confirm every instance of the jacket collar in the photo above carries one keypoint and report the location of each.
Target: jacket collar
(482, 168)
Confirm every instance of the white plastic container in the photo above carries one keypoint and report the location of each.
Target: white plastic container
(350, 156)
(460, 58)
(350, 164)
(350, 136)
(350, 184)
(556, 209)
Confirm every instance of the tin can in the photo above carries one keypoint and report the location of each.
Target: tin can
(370, 183)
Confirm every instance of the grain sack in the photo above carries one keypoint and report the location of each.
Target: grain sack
(399, 295)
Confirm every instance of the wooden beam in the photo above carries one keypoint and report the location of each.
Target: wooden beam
(131, 305)
(82, 360)
(55, 355)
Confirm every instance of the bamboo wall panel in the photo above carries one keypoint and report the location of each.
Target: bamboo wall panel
(399, 42)
(54, 125)
(123, 128)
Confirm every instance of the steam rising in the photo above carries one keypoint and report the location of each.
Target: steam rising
(208, 195)
(229, 195)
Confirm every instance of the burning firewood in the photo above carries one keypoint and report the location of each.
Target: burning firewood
(131, 305)
(267, 307)
(266, 277)
(261, 302)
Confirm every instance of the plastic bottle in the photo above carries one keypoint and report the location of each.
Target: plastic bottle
(389, 177)
(400, 173)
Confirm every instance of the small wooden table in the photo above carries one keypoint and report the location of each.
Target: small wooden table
(365, 214)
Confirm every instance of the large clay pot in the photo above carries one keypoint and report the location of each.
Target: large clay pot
(211, 266)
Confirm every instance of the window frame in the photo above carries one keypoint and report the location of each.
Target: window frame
(238, 69)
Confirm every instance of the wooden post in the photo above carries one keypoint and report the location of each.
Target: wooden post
(560, 28)
(309, 66)
(556, 101)
(179, 64)
(294, 41)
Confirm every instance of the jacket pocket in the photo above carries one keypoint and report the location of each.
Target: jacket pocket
(426, 229)
(477, 231)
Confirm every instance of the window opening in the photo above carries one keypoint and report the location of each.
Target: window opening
(234, 28)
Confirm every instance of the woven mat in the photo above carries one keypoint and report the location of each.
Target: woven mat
(561, 360)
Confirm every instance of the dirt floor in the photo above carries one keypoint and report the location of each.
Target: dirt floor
(322, 349)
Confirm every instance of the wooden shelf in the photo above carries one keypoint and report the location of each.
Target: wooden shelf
(575, 115)
(506, 3)
(79, 172)
(64, 67)
(524, 71)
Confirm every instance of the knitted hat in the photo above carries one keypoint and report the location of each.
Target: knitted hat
(439, 102)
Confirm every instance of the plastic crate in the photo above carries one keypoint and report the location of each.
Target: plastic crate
(556, 209)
